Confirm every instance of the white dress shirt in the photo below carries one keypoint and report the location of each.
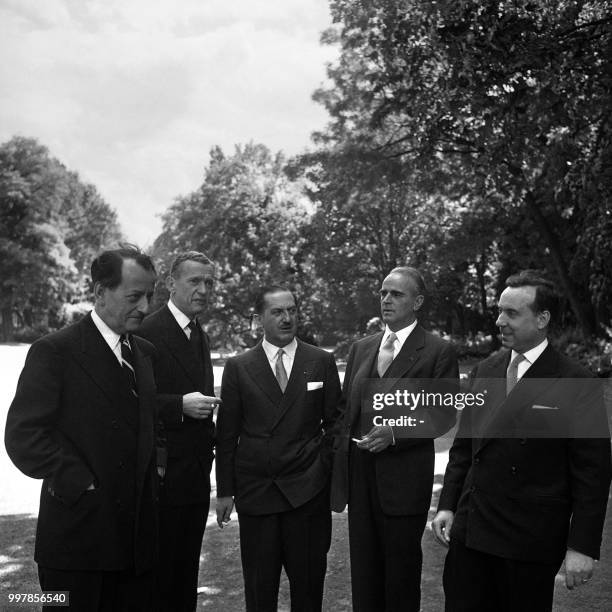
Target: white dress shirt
(402, 335)
(181, 318)
(271, 351)
(111, 338)
(530, 356)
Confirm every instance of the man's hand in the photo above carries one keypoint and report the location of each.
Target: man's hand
(578, 568)
(377, 439)
(442, 525)
(224, 510)
(198, 406)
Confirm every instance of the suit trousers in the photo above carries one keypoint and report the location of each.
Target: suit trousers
(386, 556)
(181, 532)
(475, 581)
(98, 591)
(297, 540)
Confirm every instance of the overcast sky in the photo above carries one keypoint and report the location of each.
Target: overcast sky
(132, 94)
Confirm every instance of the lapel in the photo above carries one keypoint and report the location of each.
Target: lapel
(179, 347)
(296, 385)
(98, 360)
(510, 409)
(146, 403)
(364, 366)
(260, 371)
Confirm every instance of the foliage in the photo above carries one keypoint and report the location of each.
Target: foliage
(247, 217)
(499, 112)
(50, 223)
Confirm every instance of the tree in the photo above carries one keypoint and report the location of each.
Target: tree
(42, 239)
(505, 104)
(246, 216)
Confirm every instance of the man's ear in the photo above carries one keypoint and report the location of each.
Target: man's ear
(170, 283)
(99, 291)
(418, 302)
(543, 318)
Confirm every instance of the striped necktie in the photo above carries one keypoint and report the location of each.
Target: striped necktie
(127, 361)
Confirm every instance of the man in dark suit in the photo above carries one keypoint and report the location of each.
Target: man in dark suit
(386, 480)
(83, 420)
(513, 506)
(184, 377)
(274, 445)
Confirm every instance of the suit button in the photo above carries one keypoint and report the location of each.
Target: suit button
(477, 460)
(472, 489)
(120, 464)
(115, 425)
(513, 469)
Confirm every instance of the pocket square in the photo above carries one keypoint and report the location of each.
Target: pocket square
(540, 407)
(311, 386)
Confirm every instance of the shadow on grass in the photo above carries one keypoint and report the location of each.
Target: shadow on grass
(17, 568)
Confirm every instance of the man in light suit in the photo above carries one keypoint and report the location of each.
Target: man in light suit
(274, 445)
(514, 505)
(83, 421)
(184, 377)
(387, 481)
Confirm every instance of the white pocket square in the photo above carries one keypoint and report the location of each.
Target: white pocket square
(311, 386)
(540, 407)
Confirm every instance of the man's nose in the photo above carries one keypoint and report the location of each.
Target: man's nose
(501, 321)
(144, 303)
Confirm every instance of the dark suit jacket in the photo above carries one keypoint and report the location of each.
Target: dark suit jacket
(189, 441)
(405, 471)
(274, 449)
(528, 498)
(72, 422)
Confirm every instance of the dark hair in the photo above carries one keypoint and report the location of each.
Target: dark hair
(260, 296)
(106, 267)
(414, 275)
(189, 256)
(546, 296)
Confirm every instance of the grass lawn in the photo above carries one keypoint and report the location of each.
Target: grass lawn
(220, 571)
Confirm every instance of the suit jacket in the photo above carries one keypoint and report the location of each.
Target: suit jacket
(405, 471)
(528, 498)
(274, 449)
(189, 441)
(73, 421)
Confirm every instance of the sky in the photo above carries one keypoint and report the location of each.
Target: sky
(132, 94)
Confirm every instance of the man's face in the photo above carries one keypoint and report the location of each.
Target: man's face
(279, 318)
(124, 307)
(521, 328)
(399, 301)
(191, 287)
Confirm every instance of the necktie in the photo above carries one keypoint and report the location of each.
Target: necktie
(127, 361)
(512, 372)
(385, 354)
(279, 370)
(195, 339)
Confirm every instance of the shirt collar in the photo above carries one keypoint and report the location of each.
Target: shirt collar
(532, 354)
(402, 334)
(111, 337)
(271, 349)
(181, 318)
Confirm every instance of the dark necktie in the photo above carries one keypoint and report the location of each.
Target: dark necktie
(385, 354)
(279, 370)
(127, 361)
(512, 372)
(195, 339)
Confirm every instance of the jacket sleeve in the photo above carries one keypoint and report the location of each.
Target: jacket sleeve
(32, 441)
(229, 423)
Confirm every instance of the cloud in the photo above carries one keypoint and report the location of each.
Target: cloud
(134, 93)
